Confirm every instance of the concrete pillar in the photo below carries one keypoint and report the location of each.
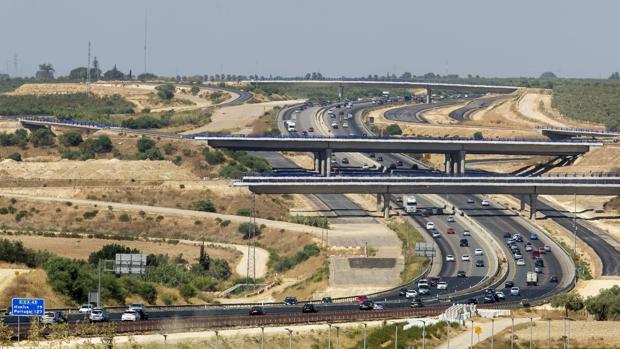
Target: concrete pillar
(317, 162)
(379, 199)
(461, 163)
(386, 205)
(447, 162)
(533, 205)
(522, 203)
(328, 162)
(429, 93)
(341, 93)
(452, 163)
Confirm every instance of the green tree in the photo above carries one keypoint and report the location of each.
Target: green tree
(144, 143)
(109, 252)
(248, 229)
(213, 157)
(45, 72)
(78, 74)
(71, 139)
(195, 89)
(605, 305)
(203, 205)
(113, 74)
(478, 135)
(393, 130)
(151, 154)
(101, 144)
(42, 137)
(571, 301)
(147, 76)
(166, 91)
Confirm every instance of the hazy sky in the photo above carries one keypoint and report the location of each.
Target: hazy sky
(572, 38)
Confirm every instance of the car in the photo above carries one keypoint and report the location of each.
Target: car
(463, 243)
(488, 299)
(423, 282)
(500, 295)
(345, 124)
(472, 300)
(509, 284)
(257, 310)
(480, 263)
(553, 279)
(140, 309)
(529, 248)
(507, 235)
(465, 258)
(442, 285)
(392, 166)
(399, 163)
(539, 262)
(538, 269)
(435, 234)
(309, 308)
(434, 281)
(417, 303)
(466, 233)
(535, 254)
(367, 305)
(290, 300)
(450, 219)
(99, 315)
(541, 250)
(304, 133)
(310, 129)
(345, 160)
(365, 166)
(547, 248)
(450, 258)
(334, 125)
(461, 274)
(533, 236)
(361, 299)
(518, 237)
(327, 300)
(518, 255)
(414, 166)
(430, 225)
(402, 292)
(520, 261)
(377, 306)
(86, 308)
(515, 291)
(424, 290)
(411, 293)
(380, 158)
(53, 317)
(450, 231)
(371, 155)
(130, 315)
(478, 252)
(485, 203)
(470, 201)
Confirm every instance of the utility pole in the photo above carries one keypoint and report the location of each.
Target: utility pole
(88, 72)
(512, 334)
(145, 37)
(251, 267)
(99, 286)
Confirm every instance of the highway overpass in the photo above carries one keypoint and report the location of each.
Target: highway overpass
(455, 150)
(528, 188)
(429, 86)
(556, 132)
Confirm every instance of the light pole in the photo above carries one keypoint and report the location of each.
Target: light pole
(531, 333)
(471, 339)
(217, 340)
(165, 340)
(564, 346)
(365, 333)
(492, 333)
(329, 336)
(512, 333)
(337, 336)
(262, 337)
(396, 336)
(423, 333)
(290, 338)
(548, 333)
(448, 322)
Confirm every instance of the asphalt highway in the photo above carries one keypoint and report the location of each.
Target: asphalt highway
(463, 113)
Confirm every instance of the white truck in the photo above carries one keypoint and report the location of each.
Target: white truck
(290, 126)
(531, 278)
(410, 203)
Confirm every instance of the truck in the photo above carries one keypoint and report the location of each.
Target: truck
(290, 126)
(531, 278)
(410, 203)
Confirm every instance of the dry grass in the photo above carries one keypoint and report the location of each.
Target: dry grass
(312, 278)
(32, 284)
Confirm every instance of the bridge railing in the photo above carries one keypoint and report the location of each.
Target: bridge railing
(71, 122)
(581, 130)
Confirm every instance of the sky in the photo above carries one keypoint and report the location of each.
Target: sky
(493, 38)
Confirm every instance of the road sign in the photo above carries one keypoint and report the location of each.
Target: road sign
(477, 329)
(130, 263)
(424, 249)
(27, 307)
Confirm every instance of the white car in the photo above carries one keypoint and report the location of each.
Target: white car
(345, 124)
(529, 248)
(500, 294)
(365, 167)
(450, 258)
(547, 248)
(465, 258)
(450, 219)
(485, 203)
(430, 225)
(478, 252)
(411, 294)
(518, 256)
(466, 233)
(515, 291)
(423, 282)
(86, 308)
(435, 234)
(130, 315)
(520, 261)
(442, 285)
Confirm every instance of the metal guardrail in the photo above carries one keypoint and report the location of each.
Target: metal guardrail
(578, 130)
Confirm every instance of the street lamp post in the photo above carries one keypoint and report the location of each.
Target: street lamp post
(365, 333)
(396, 336)
(290, 338)
(337, 337)
(531, 333)
(329, 336)
(165, 340)
(423, 333)
(548, 333)
(262, 337)
(512, 333)
(492, 333)
(471, 339)
(217, 339)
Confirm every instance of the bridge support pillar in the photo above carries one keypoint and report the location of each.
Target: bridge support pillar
(327, 162)
(317, 162)
(386, 205)
(379, 199)
(522, 203)
(429, 94)
(448, 163)
(460, 162)
(533, 205)
(341, 92)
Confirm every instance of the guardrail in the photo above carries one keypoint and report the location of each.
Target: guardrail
(577, 130)
(432, 180)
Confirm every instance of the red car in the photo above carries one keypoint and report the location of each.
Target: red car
(361, 299)
(450, 231)
(311, 129)
(535, 254)
(541, 250)
(399, 163)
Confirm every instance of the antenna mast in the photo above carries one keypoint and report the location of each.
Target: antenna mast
(88, 71)
(145, 32)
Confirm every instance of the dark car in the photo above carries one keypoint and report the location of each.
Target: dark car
(367, 305)
(402, 292)
(392, 166)
(434, 280)
(472, 301)
(290, 300)
(507, 235)
(380, 158)
(327, 300)
(53, 317)
(308, 308)
(345, 160)
(553, 279)
(509, 284)
(489, 299)
(417, 303)
(414, 166)
(464, 243)
(256, 310)
(460, 274)
(479, 263)
(399, 163)
(371, 155)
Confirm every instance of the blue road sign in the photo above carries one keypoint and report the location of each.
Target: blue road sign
(28, 307)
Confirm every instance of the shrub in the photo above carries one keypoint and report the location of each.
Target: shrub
(15, 156)
(144, 143)
(101, 144)
(168, 148)
(71, 139)
(168, 299)
(314, 221)
(203, 205)
(213, 157)
(393, 130)
(282, 264)
(187, 291)
(145, 122)
(246, 229)
(244, 212)
(90, 214)
(165, 91)
(478, 135)
(42, 137)
(124, 218)
(148, 292)
(151, 154)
